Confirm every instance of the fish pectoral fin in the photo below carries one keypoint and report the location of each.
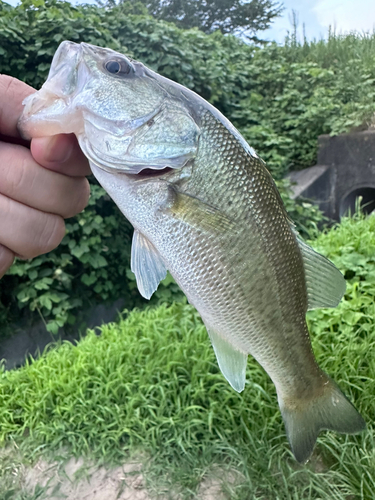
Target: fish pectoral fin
(324, 283)
(146, 264)
(197, 213)
(232, 362)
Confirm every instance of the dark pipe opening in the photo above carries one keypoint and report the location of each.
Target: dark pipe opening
(367, 202)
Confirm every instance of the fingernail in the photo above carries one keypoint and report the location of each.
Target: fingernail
(56, 149)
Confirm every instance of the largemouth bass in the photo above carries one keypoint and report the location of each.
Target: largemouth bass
(204, 207)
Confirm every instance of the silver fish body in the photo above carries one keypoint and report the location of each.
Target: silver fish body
(204, 207)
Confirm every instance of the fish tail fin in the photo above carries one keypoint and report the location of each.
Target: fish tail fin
(328, 409)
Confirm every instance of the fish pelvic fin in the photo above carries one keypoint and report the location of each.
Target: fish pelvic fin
(329, 410)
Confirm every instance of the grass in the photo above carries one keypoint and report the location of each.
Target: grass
(13, 465)
(337, 50)
(151, 384)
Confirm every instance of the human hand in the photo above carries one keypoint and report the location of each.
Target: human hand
(41, 183)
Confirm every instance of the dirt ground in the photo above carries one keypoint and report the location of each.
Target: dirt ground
(75, 480)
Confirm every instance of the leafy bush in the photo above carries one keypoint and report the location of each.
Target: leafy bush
(308, 219)
(152, 383)
(300, 91)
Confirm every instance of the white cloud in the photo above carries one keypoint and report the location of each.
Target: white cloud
(346, 15)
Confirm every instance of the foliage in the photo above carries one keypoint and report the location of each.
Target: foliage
(31, 32)
(306, 216)
(228, 16)
(110, 395)
(300, 91)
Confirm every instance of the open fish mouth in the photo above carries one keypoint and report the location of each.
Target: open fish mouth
(150, 172)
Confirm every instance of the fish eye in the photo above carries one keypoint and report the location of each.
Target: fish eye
(118, 67)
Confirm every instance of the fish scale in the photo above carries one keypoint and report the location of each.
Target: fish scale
(204, 207)
(250, 208)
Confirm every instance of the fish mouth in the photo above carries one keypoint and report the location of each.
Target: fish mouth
(45, 112)
(143, 174)
(62, 81)
(148, 173)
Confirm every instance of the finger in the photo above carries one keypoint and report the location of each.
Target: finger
(12, 92)
(60, 153)
(23, 180)
(26, 231)
(6, 260)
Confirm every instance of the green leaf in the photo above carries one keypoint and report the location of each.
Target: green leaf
(45, 301)
(88, 279)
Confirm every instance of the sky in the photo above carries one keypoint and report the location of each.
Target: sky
(316, 15)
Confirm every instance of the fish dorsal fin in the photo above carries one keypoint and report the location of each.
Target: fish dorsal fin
(324, 283)
(147, 265)
(232, 363)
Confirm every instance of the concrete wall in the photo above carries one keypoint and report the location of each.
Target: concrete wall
(345, 170)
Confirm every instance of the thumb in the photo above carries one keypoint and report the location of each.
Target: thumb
(60, 153)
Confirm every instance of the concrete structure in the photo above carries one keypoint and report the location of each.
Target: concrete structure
(345, 171)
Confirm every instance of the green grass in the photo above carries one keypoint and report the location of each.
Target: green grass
(151, 384)
(337, 50)
(13, 464)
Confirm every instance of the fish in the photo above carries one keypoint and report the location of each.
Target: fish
(205, 208)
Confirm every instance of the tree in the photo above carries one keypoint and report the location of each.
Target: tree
(228, 16)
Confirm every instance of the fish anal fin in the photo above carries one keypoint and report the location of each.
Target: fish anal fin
(146, 264)
(328, 410)
(324, 282)
(232, 362)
